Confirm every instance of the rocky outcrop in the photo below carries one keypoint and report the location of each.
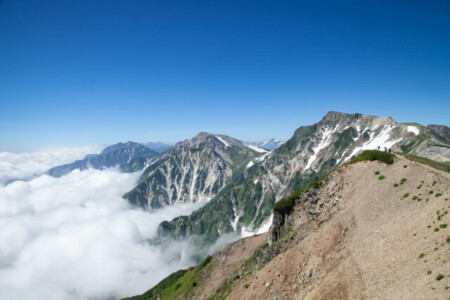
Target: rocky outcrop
(440, 132)
(275, 231)
(309, 206)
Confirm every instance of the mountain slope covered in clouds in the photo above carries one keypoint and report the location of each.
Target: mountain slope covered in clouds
(193, 170)
(245, 204)
(129, 156)
(27, 165)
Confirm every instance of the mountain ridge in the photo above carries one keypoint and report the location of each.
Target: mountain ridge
(313, 150)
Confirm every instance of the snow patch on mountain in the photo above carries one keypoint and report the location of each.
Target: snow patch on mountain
(325, 141)
(236, 219)
(413, 129)
(255, 148)
(266, 225)
(381, 140)
(223, 141)
(246, 231)
(262, 157)
(250, 164)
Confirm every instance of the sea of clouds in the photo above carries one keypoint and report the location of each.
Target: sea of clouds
(27, 165)
(75, 237)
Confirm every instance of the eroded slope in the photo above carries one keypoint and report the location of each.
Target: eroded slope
(365, 237)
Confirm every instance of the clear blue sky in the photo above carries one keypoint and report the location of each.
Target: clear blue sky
(87, 72)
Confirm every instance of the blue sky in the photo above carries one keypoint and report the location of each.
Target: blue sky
(87, 72)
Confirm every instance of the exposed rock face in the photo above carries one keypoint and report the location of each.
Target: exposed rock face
(247, 200)
(275, 231)
(193, 170)
(308, 207)
(432, 142)
(129, 156)
(440, 132)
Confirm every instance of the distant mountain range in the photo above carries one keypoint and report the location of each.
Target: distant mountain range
(158, 146)
(129, 156)
(269, 144)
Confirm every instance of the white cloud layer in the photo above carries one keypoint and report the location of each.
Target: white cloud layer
(27, 165)
(74, 237)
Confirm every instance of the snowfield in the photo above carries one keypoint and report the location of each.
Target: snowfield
(413, 129)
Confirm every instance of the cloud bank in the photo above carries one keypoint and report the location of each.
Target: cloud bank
(74, 237)
(24, 166)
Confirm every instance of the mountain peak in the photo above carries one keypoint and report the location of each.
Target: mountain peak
(212, 139)
(337, 116)
(130, 156)
(334, 113)
(121, 145)
(203, 134)
(193, 170)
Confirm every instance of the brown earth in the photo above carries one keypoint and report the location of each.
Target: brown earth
(364, 239)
